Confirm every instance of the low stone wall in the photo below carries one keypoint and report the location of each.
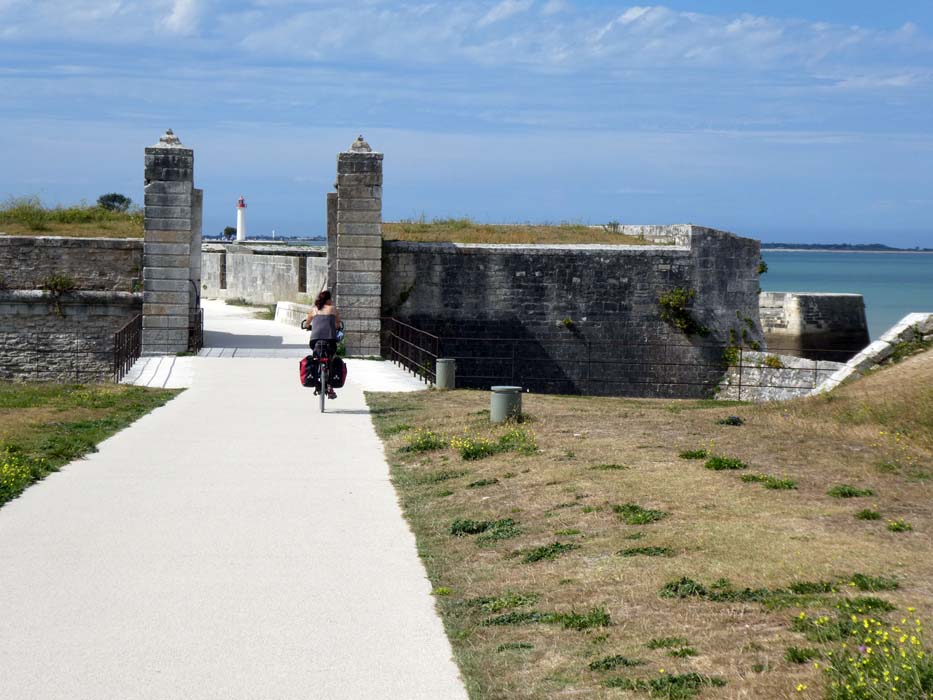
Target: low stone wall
(261, 276)
(762, 376)
(580, 318)
(910, 329)
(66, 338)
(814, 325)
(291, 313)
(99, 264)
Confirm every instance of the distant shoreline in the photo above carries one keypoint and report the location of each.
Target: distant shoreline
(899, 251)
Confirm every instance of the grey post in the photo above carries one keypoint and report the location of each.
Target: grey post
(445, 374)
(171, 217)
(505, 402)
(359, 247)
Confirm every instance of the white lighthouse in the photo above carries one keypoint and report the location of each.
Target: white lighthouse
(241, 219)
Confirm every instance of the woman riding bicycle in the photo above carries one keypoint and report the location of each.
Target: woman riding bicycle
(323, 320)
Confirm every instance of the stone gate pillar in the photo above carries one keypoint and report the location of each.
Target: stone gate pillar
(172, 213)
(359, 247)
(332, 241)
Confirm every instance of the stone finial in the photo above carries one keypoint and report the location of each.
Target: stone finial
(360, 146)
(169, 140)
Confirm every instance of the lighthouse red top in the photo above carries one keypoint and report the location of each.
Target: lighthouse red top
(241, 203)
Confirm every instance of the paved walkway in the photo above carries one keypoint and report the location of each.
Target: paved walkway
(235, 544)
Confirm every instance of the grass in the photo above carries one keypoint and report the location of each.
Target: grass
(868, 514)
(846, 491)
(464, 230)
(770, 482)
(667, 642)
(718, 464)
(647, 552)
(548, 552)
(610, 663)
(787, 553)
(45, 426)
(634, 514)
(28, 216)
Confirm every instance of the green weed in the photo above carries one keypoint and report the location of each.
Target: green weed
(718, 463)
(770, 482)
(874, 583)
(667, 642)
(899, 525)
(694, 454)
(608, 663)
(423, 440)
(682, 653)
(634, 514)
(514, 646)
(846, 491)
(647, 552)
(868, 514)
(548, 552)
(670, 687)
(801, 655)
(608, 467)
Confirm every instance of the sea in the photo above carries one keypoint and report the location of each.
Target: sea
(893, 284)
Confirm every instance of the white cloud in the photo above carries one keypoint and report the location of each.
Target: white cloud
(184, 17)
(553, 7)
(504, 10)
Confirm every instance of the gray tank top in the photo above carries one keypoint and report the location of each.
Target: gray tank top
(324, 327)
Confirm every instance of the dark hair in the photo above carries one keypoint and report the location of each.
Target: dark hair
(322, 299)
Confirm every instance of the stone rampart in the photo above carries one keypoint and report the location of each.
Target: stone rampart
(63, 338)
(816, 326)
(261, 277)
(580, 318)
(762, 376)
(93, 264)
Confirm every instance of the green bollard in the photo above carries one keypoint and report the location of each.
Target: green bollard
(445, 374)
(505, 402)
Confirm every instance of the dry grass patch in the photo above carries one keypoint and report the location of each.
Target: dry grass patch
(467, 231)
(754, 558)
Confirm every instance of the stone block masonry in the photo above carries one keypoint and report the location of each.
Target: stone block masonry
(61, 338)
(580, 319)
(171, 258)
(359, 247)
(816, 326)
(93, 264)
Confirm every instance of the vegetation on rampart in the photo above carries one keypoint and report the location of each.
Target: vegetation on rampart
(27, 216)
(465, 230)
(44, 426)
(680, 581)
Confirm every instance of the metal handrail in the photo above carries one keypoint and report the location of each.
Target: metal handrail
(127, 347)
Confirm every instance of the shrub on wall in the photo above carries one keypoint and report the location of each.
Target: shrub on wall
(675, 309)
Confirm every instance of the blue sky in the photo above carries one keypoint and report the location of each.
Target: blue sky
(792, 120)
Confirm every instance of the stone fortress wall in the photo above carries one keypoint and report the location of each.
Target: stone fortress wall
(581, 318)
(816, 326)
(262, 274)
(66, 335)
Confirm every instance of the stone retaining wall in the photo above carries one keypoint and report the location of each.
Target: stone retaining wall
(63, 338)
(814, 325)
(584, 318)
(238, 272)
(98, 264)
(762, 376)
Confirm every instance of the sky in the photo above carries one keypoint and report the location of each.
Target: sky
(786, 121)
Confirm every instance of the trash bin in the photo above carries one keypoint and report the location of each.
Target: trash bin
(505, 402)
(445, 373)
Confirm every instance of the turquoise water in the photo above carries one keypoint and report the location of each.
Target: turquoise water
(893, 284)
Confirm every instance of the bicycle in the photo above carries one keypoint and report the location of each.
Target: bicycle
(322, 354)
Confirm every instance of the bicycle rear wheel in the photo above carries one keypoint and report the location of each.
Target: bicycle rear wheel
(322, 368)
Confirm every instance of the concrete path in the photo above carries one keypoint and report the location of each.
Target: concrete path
(235, 544)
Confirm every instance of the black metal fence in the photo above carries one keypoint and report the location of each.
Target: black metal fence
(409, 347)
(605, 367)
(127, 346)
(196, 330)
